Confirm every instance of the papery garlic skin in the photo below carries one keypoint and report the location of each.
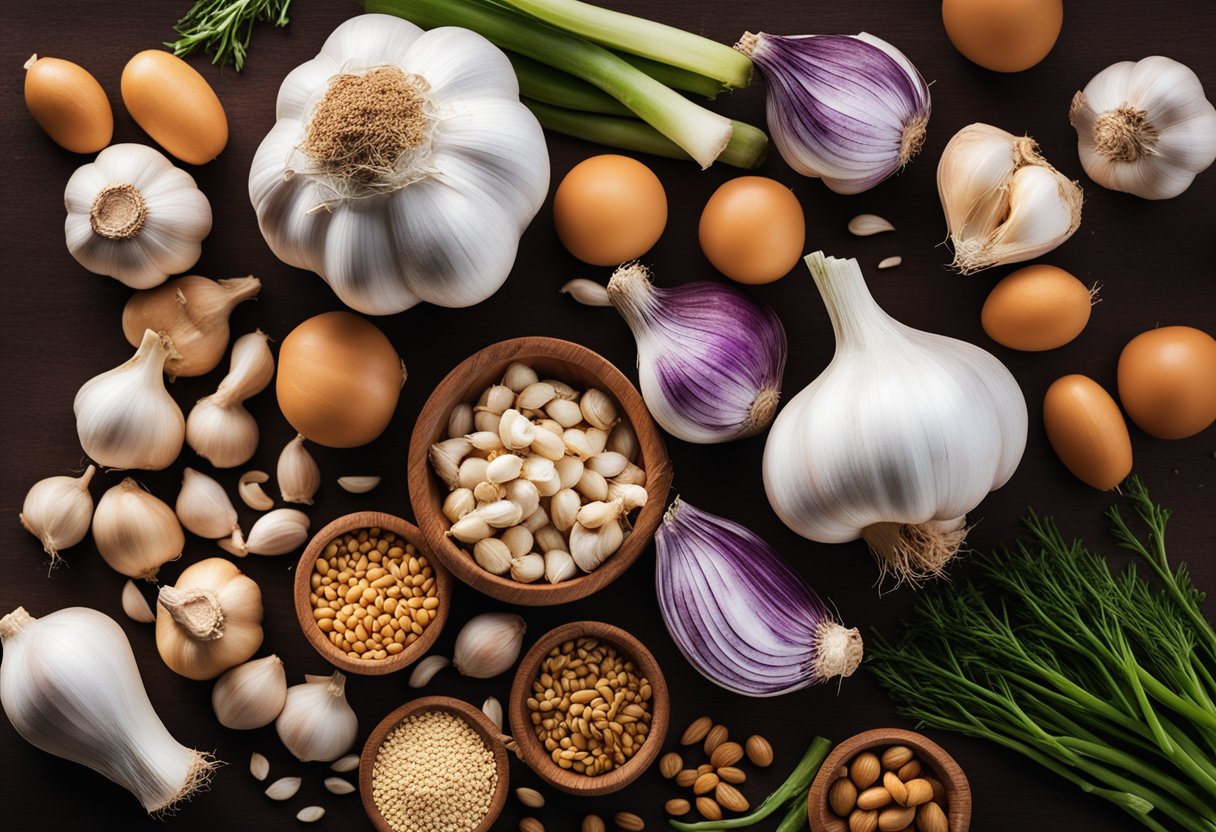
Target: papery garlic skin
(317, 723)
(58, 511)
(297, 473)
(125, 418)
(135, 217)
(70, 686)
(489, 644)
(442, 224)
(209, 621)
(1145, 127)
(250, 695)
(135, 532)
(219, 428)
(902, 435)
(203, 506)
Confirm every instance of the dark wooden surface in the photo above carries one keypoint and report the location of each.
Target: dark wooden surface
(61, 326)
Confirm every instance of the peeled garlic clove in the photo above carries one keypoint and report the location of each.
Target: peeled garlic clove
(470, 528)
(569, 471)
(460, 421)
(632, 475)
(446, 457)
(58, 510)
(631, 496)
(548, 537)
(259, 766)
(284, 788)
(597, 439)
(517, 376)
(348, 763)
(485, 420)
(426, 669)
(598, 408)
(250, 489)
(593, 486)
(591, 547)
(488, 492)
(504, 468)
(501, 513)
(518, 541)
(528, 568)
(458, 503)
(536, 520)
(489, 644)
(358, 485)
(535, 396)
(493, 555)
(890, 262)
(485, 440)
(250, 695)
(564, 508)
(297, 473)
(278, 532)
(549, 445)
(549, 486)
(537, 468)
(492, 708)
(577, 443)
(310, 814)
(203, 506)
(565, 412)
(595, 514)
(867, 225)
(135, 532)
(524, 494)
(587, 292)
(559, 566)
(498, 398)
(608, 464)
(515, 430)
(472, 471)
(317, 723)
(135, 605)
(336, 785)
(563, 390)
(623, 440)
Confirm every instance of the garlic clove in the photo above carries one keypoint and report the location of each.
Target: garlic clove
(358, 485)
(493, 555)
(492, 708)
(498, 398)
(58, 510)
(203, 507)
(549, 445)
(446, 457)
(485, 440)
(504, 468)
(593, 486)
(569, 471)
(250, 368)
(460, 421)
(548, 537)
(632, 475)
(284, 788)
(501, 513)
(565, 412)
(598, 409)
(297, 473)
(488, 492)
(458, 503)
(426, 669)
(219, 428)
(577, 443)
(524, 494)
(591, 547)
(559, 566)
(136, 533)
(597, 440)
(259, 766)
(317, 723)
(310, 814)
(250, 490)
(537, 468)
(135, 605)
(596, 514)
(631, 496)
(515, 430)
(517, 376)
(472, 471)
(564, 508)
(518, 541)
(470, 528)
(528, 568)
(536, 520)
(337, 785)
(867, 225)
(563, 390)
(348, 763)
(250, 695)
(277, 532)
(608, 464)
(890, 262)
(485, 420)
(535, 396)
(587, 292)
(489, 644)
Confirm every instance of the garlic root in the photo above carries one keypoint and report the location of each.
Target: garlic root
(915, 552)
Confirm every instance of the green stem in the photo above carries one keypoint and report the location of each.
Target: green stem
(674, 77)
(557, 89)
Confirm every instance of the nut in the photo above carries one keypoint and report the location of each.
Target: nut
(696, 731)
(874, 797)
(897, 789)
(670, 765)
(918, 791)
(628, 821)
(842, 796)
(716, 736)
(705, 784)
(677, 806)
(865, 770)
(931, 818)
(759, 751)
(909, 770)
(709, 809)
(704, 768)
(895, 757)
(862, 821)
(531, 825)
(896, 818)
(730, 798)
(939, 791)
(726, 754)
(530, 798)
(730, 774)
(592, 823)
(686, 778)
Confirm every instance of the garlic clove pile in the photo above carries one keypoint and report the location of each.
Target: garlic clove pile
(489, 644)
(203, 506)
(316, 722)
(58, 510)
(297, 473)
(250, 695)
(135, 532)
(219, 428)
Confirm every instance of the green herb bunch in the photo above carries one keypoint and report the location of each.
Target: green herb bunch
(223, 28)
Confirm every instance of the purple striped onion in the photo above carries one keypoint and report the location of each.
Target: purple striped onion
(849, 109)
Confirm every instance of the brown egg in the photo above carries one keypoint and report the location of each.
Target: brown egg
(1003, 35)
(609, 209)
(339, 378)
(175, 106)
(1167, 381)
(1087, 431)
(1036, 308)
(69, 104)
(752, 229)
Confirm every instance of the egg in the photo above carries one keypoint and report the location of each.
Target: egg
(752, 229)
(339, 379)
(1036, 308)
(1167, 381)
(1087, 431)
(175, 106)
(609, 209)
(1003, 35)
(69, 104)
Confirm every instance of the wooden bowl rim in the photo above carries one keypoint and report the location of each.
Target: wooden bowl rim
(477, 720)
(530, 748)
(424, 485)
(303, 604)
(943, 766)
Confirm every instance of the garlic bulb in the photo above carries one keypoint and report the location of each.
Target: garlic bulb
(58, 510)
(203, 506)
(489, 644)
(297, 472)
(125, 417)
(277, 532)
(317, 723)
(423, 193)
(1145, 128)
(209, 621)
(193, 312)
(1004, 203)
(902, 435)
(219, 428)
(70, 686)
(136, 532)
(135, 217)
(250, 695)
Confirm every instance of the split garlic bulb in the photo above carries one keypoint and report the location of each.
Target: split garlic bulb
(58, 510)
(902, 435)
(125, 417)
(135, 217)
(1145, 127)
(209, 621)
(423, 193)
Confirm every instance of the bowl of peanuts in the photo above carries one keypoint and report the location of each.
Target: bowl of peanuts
(589, 708)
(368, 595)
(889, 780)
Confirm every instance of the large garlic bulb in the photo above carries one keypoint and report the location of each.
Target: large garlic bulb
(402, 167)
(210, 620)
(135, 217)
(1145, 128)
(902, 435)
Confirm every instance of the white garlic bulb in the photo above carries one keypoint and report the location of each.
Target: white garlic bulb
(203, 506)
(489, 644)
(1145, 127)
(316, 722)
(219, 428)
(210, 620)
(135, 217)
(297, 473)
(135, 532)
(250, 695)
(125, 417)
(58, 510)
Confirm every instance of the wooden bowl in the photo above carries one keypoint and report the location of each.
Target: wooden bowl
(551, 358)
(932, 756)
(530, 747)
(478, 721)
(304, 608)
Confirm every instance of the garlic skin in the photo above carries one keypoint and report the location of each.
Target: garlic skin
(219, 428)
(277, 532)
(902, 435)
(489, 644)
(135, 532)
(125, 418)
(1003, 202)
(203, 506)
(250, 695)
(135, 217)
(193, 312)
(209, 621)
(317, 723)
(297, 473)
(1144, 127)
(57, 511)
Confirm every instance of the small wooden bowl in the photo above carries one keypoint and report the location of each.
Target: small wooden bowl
(932, 756)
(534, 753)
(303, 589)
(551, 358)
(476, 720)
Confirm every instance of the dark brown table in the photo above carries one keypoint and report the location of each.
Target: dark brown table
(60, 324)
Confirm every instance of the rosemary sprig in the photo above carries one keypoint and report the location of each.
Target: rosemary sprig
(223, 27)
